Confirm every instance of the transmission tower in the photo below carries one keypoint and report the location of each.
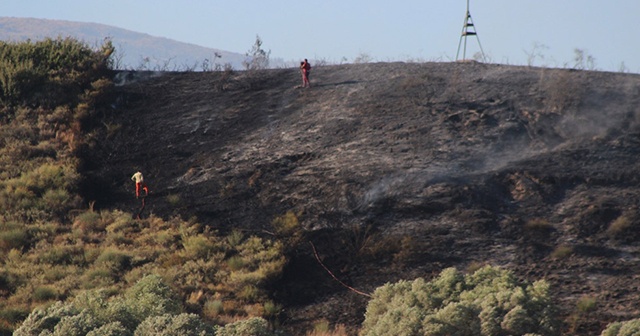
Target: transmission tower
(468, 29)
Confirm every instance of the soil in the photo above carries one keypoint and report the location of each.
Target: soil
(396, 171)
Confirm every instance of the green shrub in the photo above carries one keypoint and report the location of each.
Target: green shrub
(249, 293)
(151, 297)
(287, 224)
(488, 302)
(44, 319)
(174, 325)
(586, 304)
(627, 328)
(88, 221)
(621, 225)
(13, 315)
(235, 238)
(271, 309)
(235, 263)
(110, 329)
(97, 278)
(213, 308)
(114, 260)
(13, 236)
(117, 221)
(56, 200)
(562, 252)
(321, 327)
(75, 325)
(198, 246)
(44, 293)
(48, 176)
(45, 71)
(254, 326)
(61, 255)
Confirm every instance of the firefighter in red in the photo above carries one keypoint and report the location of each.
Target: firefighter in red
(140, 184)
(305, 68)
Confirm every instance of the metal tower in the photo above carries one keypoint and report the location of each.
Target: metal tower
(468, 29)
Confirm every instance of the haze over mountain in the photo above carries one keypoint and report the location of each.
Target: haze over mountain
(133, 50)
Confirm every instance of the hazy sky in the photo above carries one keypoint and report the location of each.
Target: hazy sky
(385, 30)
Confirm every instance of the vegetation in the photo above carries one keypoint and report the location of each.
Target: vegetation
(147, 308)
(488, 302)
(74, 266)
(69, 270)
(49, 93)
(257, 58)
(627, 328)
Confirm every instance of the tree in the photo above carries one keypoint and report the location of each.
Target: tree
(257, 58)
(91, 311)
(488, 302)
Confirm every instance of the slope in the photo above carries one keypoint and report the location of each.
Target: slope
(395, 171)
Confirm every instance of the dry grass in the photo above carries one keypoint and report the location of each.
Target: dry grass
(562, 252)
(323, 328)
(621, 225)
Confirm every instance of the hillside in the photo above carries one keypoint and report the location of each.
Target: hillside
(133, 47)
(395, 171)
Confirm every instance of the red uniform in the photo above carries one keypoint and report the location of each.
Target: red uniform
(305, 67)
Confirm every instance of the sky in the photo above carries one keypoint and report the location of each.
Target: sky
(517, 32)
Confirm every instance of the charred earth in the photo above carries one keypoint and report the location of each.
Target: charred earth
(396, 171)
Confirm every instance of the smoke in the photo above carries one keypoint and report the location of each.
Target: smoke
(469, 164)
(408, 185)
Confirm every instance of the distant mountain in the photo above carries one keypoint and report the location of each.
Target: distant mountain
(133, 50)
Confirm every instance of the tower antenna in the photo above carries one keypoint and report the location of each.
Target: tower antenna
(468, 29)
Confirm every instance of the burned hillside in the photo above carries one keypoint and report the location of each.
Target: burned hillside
(394, 171)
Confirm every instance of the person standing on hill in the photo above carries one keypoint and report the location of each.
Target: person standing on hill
(139, 179)
(305, 68)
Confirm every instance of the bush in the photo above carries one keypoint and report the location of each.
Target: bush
(151, 297)
(42, 294)
(114, 260)
(627, 328)
(562, 252)
(213, 308)
(174, 325)
(198, 246)
(487, 302)
(111, 329)
(13, 315)
(44, 319)
(13, 236)
(622, 227)
(287, 224)
(254, 326)
(97, 278)
(88, 221)
(48, 71)
(75, 325)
